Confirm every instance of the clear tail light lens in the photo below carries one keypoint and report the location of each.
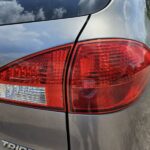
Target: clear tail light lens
(35, 80)
(107, 75)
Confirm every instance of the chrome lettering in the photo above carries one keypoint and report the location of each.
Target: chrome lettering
(12, 146)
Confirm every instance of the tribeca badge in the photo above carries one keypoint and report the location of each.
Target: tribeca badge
(12, 146)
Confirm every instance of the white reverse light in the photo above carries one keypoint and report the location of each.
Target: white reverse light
(23, 93)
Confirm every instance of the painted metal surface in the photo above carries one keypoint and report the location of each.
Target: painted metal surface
(123, 19)
(34, 128)
(125, 130)
(20, 40)
(128, 129)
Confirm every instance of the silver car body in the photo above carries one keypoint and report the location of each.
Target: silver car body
(38, 129)
(128, 129)
(34, 128)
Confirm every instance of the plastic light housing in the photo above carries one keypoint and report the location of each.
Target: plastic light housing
(107, 75)
(36, 80)
(98, 77)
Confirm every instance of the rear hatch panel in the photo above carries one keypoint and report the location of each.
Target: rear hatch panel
(30, 127)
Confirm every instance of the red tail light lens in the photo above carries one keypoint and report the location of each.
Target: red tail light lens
(35, 80)
(107, 75)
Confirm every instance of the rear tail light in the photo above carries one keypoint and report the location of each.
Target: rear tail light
(104, 75)
(107, 75)
(35, 80)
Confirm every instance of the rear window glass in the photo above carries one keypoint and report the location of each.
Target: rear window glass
(17, 11)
